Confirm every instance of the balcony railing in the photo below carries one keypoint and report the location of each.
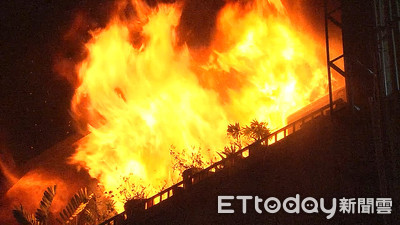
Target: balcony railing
(218, 166)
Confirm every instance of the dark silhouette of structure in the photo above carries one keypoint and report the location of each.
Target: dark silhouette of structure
(347, 150)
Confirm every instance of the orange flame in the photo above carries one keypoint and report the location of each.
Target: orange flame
(137, 100)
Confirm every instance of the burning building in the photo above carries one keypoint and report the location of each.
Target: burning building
(146, 68)
(178, 72)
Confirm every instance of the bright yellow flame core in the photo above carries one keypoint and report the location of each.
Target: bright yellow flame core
(138, 101)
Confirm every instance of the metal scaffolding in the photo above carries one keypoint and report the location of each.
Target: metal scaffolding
(330, 19)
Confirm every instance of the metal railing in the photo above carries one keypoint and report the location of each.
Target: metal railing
(273, 138)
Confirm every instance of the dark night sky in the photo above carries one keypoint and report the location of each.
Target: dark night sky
(34, 101)
(34, 98)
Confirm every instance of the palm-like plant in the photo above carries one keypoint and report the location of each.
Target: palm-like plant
(228, 151)
(234, 130)
(41, 215)
(75, 206)
(23, 217)
(257, 130)
(42, 212)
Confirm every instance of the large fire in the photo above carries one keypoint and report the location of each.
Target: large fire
(141, 91)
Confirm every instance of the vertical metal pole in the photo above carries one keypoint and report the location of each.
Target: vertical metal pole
(376, 105)
(328, 61)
